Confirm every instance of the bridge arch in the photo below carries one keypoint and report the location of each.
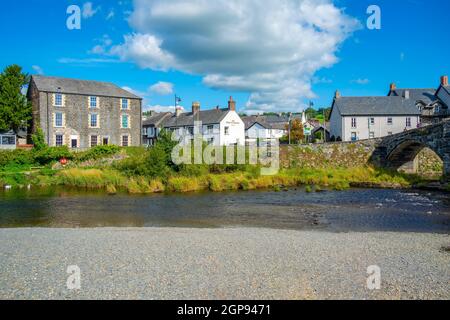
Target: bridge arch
(401, 150)
(405, 156)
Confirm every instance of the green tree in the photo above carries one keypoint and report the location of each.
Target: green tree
(297, 134)
(39, 140)
(15, 110)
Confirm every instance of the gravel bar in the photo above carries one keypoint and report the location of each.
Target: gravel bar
(230, 263)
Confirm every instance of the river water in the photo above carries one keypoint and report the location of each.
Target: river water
(337, 211)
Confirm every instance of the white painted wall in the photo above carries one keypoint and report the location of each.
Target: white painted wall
(236, 130)
(380, 127)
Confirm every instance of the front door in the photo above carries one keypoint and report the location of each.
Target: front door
(105, 141)
(74, 143)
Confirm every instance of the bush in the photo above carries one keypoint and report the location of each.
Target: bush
(16, 157)
(49, 155)
(97, 152)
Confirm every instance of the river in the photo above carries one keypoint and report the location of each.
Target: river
(337, 211)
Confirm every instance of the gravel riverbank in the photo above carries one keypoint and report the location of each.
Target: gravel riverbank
(235, 263)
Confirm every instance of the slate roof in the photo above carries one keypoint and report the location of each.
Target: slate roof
(214, 116)
(364, 106)
(84, 87)
(156, 119)
(426, 95)
(277, 122)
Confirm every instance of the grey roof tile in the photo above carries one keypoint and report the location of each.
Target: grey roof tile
(390, 105)
(426, 95)
(214, 116)
(84, 87)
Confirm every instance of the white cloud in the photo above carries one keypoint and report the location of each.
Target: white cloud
(361, 81)
(110, 15)
(103, 45)
(159, 108)
(86, 61)
(136, 92)
(162, 88)
(271, 50)
(38, 70)
(88, 10)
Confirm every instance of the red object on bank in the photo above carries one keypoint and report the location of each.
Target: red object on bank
(63, 161)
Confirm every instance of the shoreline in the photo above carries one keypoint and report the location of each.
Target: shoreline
(231, 263)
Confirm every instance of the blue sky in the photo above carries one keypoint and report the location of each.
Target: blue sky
(207, 52)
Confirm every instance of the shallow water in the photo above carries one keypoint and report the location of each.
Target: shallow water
(341, 211)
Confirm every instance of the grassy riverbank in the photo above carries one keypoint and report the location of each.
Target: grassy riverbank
(139, 170)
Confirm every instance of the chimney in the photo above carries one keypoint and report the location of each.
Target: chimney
(393, 87)
(337, 94)
(231, 104)
(178, 112)
(406, 94)
(444, 81)
(195, 107)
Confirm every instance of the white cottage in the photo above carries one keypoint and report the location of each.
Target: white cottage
(220, 127)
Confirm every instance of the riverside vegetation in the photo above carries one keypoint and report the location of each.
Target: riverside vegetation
(139, 170)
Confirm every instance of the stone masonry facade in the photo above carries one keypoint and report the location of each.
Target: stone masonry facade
(76, 128)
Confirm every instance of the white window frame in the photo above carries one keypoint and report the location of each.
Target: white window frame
(371, 135)
(96, 143)
(226, 131)
(408, 122)
(56, 140)
(128, 140)
(390, 121)
(372, 121)
(56, 120)
(55, 100)
(96, 102)
(96, 122)
(128, 121)
(121, 104)
(354, 122)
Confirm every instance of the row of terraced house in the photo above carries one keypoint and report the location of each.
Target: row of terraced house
(82, 114)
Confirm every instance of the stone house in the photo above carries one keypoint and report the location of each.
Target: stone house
(82, 114)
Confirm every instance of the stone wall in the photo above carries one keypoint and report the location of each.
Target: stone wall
(348, 155)
(76, 119)
(339, 154)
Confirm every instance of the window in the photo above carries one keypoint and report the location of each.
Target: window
(191, 130)
(389, 133)
(372, 121)
(94, 141)
(437, 109)
(124, 104)
(227, 131)
(59, 140)
(371, 135)
(8, 140)
(353, 122)
(390, 121)
(58, 119)
(408, 122)
(125, 122)
(211, 141)
(93, 122)
(58, 100)
(93, 102)
(354, 136)
(125, 141)
(210, 129)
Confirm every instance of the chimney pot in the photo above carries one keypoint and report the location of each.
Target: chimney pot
(195, 107)
(444, 81)
(231, 104)
(406, 94)
(393, 87)
(337, 94)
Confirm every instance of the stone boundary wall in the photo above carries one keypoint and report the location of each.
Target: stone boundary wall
(348, 155)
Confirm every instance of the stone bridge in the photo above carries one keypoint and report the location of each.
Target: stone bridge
(399, 151)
